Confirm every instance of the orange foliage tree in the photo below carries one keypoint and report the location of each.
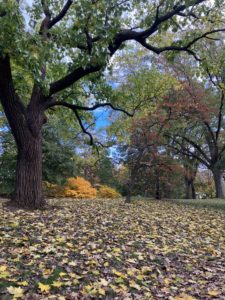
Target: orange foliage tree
(105, 191)
(78, 187)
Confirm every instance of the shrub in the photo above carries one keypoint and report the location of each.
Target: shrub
(105, 191)
(78, 187)
(53, 190)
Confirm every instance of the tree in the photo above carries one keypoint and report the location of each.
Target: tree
(59, 158)
(199, 134)
(153, 170)
(73, 40)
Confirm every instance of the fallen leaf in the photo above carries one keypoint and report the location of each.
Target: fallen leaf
(17, 292)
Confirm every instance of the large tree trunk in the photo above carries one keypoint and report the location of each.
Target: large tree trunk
(219, 183)
(28, 190)
(26, 123)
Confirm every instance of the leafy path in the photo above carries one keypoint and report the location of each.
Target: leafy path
(108, 250)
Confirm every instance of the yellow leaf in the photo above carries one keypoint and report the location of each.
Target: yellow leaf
(146, 270)
(116, 250)
(214, 293)
(16, 292)
(57, 284)
(119, 274)
(88, 288)
(130, 260)
(101, 291)
(167, 281)
(47, 271)
(140, 257)
(183, 297)
(4, 274)
(60, 239)
(44, 287)
(23, 283)
(72, 264)
(140, 277)
(134, 285)
(3, 268)
(75, 281)
(14, 225)
(104, 282)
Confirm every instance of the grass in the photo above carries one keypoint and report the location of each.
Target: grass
(217, 204)
(104, 249)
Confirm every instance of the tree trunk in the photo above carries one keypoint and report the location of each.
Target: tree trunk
(189, 189)
(193, 190)
(28, 190)
(25, 123)
(219, 183)
(129, 191)
(157, 186)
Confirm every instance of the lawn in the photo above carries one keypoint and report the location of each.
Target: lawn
(103, 249)
(218, 204)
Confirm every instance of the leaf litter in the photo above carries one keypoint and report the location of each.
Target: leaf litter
(104, 249)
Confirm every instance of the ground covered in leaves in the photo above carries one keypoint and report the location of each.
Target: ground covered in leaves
(99, 249)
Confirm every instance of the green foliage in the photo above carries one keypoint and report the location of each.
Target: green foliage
(205, 186)
(59, 159)
(102, 19)
(7, 163)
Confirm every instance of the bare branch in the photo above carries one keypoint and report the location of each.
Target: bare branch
(197, 147)
(185, 151)
(69, 79)
(186, 47)
(83, 128)
(123, 36)
(211, 133)
(61, 15)
(92, 108)
(46, 9)
(220, 116)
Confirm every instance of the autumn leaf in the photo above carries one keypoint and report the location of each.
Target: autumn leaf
(3, 268)
(104, 271)
(16, 292)
(214, 293)
(57, 284)
(134, 285)
(44, 287)
(23, 283)
(103, 282)
(183, 297)
(101, 291)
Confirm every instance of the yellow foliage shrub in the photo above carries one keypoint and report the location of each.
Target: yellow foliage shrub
(78, 187)
(53, 190)
(105, 191)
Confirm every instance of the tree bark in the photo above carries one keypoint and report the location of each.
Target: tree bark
(189, 189)
(193, 190)
(25, 123)
(130, 185)
(28, 190)
(157, 186)
(219, 183)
